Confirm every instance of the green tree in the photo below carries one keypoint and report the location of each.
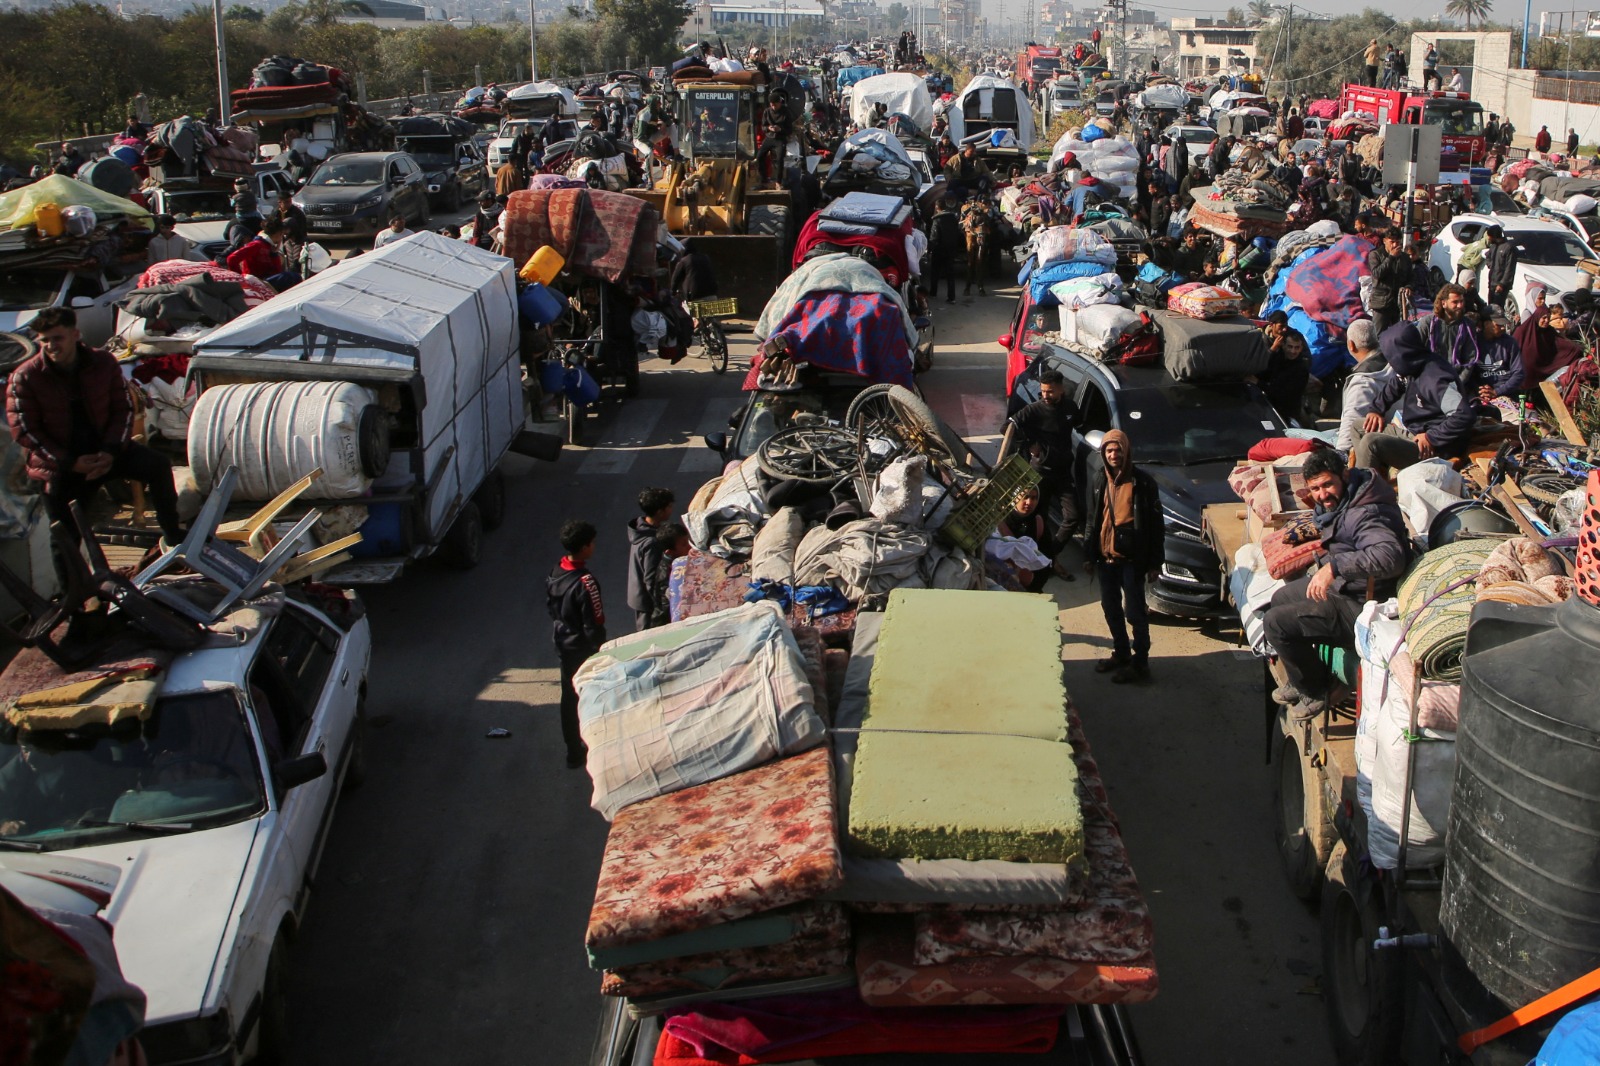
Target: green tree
(1235, 16)
(240, 13)
(646, 30)
(1469, 10)
(1326, 53)
(897, 16)
(1261, 11)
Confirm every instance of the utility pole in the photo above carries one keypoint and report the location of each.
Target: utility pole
(223, 101)
(533, 39)
(1288, 55)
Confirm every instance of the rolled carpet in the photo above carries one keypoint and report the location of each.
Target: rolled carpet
(1435, 621)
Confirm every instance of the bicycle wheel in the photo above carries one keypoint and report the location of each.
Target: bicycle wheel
(716, 346)
(809, 453)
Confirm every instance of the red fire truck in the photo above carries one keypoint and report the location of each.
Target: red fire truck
(1036, 65)
(1461, 117)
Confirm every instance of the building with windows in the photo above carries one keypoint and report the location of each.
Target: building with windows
(707, 17)
(1211, 46)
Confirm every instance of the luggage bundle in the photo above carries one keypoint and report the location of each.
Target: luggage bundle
(1199, 300)
(1195, 349)
(279, 72)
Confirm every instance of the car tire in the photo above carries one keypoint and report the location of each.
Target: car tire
(491, 500)
(1362, 987)
(272, 1041)
(465, 539)
(1301, 827)
(1513, 311)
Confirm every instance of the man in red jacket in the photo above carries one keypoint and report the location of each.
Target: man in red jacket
(259, 257)
(68, 408)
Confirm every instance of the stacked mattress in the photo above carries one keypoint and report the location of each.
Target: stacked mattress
(716, 886)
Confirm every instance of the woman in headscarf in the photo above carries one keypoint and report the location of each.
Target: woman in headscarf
(1544, 349)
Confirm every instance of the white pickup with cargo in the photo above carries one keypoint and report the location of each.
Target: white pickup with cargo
(426, 332)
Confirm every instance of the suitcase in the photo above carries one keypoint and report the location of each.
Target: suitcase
(1199, 300)
(1196, 349)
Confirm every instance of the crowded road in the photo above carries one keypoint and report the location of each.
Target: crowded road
(447, 920)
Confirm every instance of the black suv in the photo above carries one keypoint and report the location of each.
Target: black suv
(1186, 435)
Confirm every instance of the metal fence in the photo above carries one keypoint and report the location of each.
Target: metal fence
(1572, 90)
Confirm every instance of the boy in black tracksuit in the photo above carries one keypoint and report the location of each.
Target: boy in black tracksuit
(578, 623)
(945, 243)
(655, 506)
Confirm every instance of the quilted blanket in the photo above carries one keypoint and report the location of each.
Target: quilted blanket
(173, 271)
(601, 234)
(840, 273)
(849, 333)
(717, 852)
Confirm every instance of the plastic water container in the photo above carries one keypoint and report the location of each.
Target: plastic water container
(539, 305)
(552, 377)
(47, 218)
(542, 266)
(383, 533)
(581, 387)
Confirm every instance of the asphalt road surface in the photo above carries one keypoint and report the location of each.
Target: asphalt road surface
(448, 916)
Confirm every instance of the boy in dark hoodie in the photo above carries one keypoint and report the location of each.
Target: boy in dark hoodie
(945, 243)
(672, 542)
(1363, 536)
(655, 506)
(578, 624)
(1436, 415)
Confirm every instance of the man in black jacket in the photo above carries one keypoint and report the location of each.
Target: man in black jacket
(1502, 263)
(1393, 272)
(1436, 414)
(1044, 434)
(1363, 536)
(578, 624)
(655, 511)
(1127, 539)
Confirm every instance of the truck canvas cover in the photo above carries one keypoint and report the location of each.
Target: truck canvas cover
(902, 94)
(987, 103)
(426, 306)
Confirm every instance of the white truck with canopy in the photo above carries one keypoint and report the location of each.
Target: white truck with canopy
(396, 373)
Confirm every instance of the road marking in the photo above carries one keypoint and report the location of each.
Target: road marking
(628, 432)
(697, 458)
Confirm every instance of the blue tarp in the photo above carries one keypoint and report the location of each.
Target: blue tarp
(851, 75)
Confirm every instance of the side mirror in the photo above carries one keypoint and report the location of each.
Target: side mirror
(292, 773)
(78, 303)
(717, 442)
(1004, 341)
(1094, 438)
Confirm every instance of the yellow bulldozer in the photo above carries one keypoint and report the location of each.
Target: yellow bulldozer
(715, 194)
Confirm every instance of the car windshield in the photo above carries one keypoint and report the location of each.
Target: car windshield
(429, 151)
(28, 290)
(772, 411)
(1194, 135)
(190, 765)
(198, 206)
(1458, 119)
(1184, 424)
(349, 172)
(1548, 248)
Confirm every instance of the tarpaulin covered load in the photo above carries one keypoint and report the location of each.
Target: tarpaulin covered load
(902, 94)
(1324, 339)
(538, 95)
(18, 206)
(606, 235)
(691, 702)
(424, 307)
(851, 75)
(1328, 285)
(840, 314)
(1164, 97)
(873, 155)
(987, 102)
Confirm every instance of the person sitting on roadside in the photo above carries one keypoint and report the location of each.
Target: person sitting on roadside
(1497, 370)
(1363, 538)
(1436, 416)
(1450, 331)
(1366, 380)
(259, 257)
(1288, 370)
(1027, 519)
(68, 408)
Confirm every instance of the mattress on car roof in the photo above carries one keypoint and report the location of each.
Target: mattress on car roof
(819, 945)
(708, 855)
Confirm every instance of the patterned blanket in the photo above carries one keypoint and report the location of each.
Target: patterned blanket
(829, 273)
(604, 235)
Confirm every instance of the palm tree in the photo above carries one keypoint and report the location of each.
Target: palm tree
(1261, 11)
(1469, 10)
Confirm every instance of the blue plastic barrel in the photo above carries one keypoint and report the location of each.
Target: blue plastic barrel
(383, 533)
(552, 377)
(538, 305)
(581, 386)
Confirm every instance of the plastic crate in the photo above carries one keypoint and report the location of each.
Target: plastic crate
(972, 522)
(714, 308)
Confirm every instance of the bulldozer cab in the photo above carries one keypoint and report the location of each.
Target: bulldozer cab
(719, 121)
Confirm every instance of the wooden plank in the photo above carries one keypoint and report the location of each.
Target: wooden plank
(1558, 407)
(1512, 499)
(1225, 528)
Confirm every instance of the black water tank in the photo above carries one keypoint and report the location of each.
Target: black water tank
(1521, 899)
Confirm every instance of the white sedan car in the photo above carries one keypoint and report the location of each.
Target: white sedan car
(1547, 254)
(215, 808)
(1197, 139)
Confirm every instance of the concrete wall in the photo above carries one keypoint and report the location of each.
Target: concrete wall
(1559, 115)
(1486, 76)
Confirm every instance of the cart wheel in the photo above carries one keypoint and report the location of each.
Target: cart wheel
(1360, 985)
(1301, 828)
(809, 453)
(465, 539)
(913, 412)
(491, 499)
(716, 346)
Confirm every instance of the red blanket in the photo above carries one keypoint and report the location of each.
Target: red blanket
(888, 243)
(792, 1028)
(607, 235)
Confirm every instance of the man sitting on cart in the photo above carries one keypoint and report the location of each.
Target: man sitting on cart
(1363, 540)
(966, 173)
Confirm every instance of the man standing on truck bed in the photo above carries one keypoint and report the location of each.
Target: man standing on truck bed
(1363, 538)
(69, 409)
(578, 624)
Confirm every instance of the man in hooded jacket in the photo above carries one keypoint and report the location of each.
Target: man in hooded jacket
(1125, 537)
(1363, 538)
(578, 625)
(1436, 415)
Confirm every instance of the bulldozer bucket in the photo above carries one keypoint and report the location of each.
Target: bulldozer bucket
(748, 267)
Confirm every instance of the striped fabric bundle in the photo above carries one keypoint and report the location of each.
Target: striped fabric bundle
(1286, 559)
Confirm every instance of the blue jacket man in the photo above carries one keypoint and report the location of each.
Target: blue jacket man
(1436, 414)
